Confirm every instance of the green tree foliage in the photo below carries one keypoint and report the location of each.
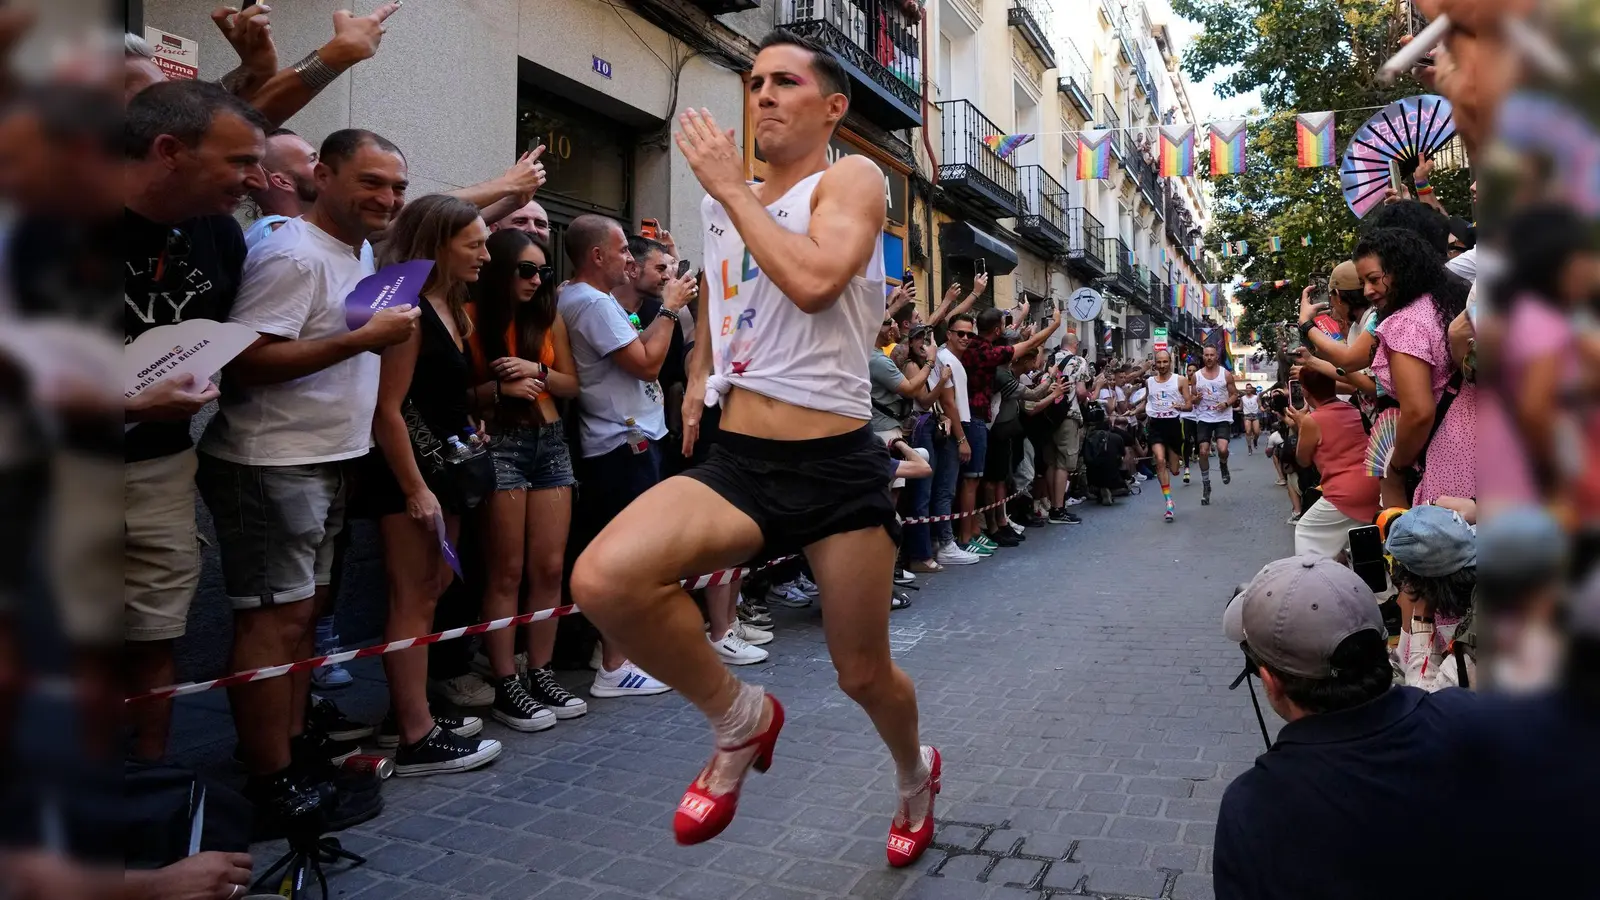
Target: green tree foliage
(1302, 56)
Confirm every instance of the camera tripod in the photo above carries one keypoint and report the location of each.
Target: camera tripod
(306, 856)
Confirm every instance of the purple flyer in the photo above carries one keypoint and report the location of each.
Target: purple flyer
(444, 545)
(396, 285)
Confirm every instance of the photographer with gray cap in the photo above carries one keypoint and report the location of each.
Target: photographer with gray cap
(1322, 812)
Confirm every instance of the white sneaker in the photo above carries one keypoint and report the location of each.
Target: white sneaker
(904, 576)
(951, 555)
(807, 586)
(1074, 501)
(790, 595)
(1140, 477)
(736, 652)
(467, 690)
(627, 681)
(751, 634)
(1016, 526)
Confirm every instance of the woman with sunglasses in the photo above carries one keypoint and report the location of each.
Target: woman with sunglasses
(427, 378)
(521, 363)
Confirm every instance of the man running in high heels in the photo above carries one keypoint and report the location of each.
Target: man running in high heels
(794, 297)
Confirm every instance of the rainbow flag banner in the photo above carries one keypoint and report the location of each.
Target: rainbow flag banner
(1180, 296)
(1277, 244)
(1004, 145)
(1094, 154)
(1315, 133)
(1242, 249)
(1177, 151)
(1227, 147)
(1305, 241)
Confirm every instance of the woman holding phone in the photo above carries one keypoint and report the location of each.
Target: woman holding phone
(521, 363)
(1434, 408)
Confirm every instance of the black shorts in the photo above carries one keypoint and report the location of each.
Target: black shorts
(799, 492)
(1212, 432)
(1168, 433)
(997, 463)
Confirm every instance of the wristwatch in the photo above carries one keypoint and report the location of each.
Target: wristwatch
(1305, 330)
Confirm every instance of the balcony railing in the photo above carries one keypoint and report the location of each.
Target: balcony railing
(968, 168)
(1031, 17)
(1044, 216)
(1086, 242)
(877, 43)
(1107, 118)
(1125, 44)
(1075, 80)
(1145, 175)
(1158, 297)
(1120, 265)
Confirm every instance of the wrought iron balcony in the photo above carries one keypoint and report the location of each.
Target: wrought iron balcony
(1120, 265)
(1030, 17)
(1044, 217)
(878, 45)
(1086, 243)
(1158, 298)
(968, 169)
(1075, 80)
(1145, 175)
(1107, 118)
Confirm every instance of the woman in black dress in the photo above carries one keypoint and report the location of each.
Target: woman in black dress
(433, 375)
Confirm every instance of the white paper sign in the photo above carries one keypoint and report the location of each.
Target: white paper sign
(178, 57)
(198, 347)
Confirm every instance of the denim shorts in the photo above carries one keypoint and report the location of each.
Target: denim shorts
(532, 457)
(276, 527)
(978, 441)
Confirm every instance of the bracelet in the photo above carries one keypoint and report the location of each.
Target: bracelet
(314, 72)
(1424, 192)
(668, 313)
(1421, 183)
(961, 440)
(1306, 328)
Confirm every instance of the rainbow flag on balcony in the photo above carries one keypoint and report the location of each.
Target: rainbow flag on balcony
(1227, 147)
(1094, 153)
(1177, 151)
(1004, 145)
(1180, 296)
(1277, 245)
(1314, 133)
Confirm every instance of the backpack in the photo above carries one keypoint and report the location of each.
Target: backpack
(1102, 454)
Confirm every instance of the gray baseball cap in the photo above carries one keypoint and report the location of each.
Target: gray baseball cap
(1296, 611)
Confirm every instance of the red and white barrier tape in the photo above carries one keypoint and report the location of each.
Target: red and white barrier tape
(724, 576)
(924, 520)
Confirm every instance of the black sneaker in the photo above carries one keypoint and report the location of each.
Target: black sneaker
(1059, 516)
(514, 708)
(323, 715)
(901, 576)
(460, 726)
(542, 685)
(1069, 518)
(444, 751)
(283, 803)
(1226, 478)
(755, 619)
(1005, 537)
(1032, 521)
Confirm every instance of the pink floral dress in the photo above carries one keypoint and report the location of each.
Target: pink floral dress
(1451, 464)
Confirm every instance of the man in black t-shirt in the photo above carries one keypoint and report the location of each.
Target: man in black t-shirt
(193, 152)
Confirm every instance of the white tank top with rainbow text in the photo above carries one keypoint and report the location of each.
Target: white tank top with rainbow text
(764, 343)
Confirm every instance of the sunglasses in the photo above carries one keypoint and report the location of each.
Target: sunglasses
(961, 334)
(527, 270)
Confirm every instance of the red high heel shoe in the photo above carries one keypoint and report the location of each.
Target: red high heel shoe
(702, 815)
(907, 846)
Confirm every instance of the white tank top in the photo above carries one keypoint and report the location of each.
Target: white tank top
(1251, 404)
(1212, 396)
(1165, 397)
(765, 344)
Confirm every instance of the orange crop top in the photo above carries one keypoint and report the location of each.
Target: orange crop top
(480, 365)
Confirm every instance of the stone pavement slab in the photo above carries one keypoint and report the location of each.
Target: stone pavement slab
(1077, 687)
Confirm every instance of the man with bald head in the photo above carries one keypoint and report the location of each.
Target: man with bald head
(619, 406)
(290, 188)
(530, 218)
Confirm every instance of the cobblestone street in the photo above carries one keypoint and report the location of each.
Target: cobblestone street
(1077, 688)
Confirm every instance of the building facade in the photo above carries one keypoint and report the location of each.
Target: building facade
(463, 87)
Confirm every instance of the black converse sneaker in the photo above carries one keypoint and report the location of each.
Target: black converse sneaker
(1226, 479)
(444, 751)
(514, 708)
(542, 684)
(324, 715)
(460, 726)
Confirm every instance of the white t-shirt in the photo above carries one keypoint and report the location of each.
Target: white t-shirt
(763, 343)
(958, 379)
(294, 285)
(608, 396)
(1465, 265)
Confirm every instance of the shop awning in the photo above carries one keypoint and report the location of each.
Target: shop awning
(962, 240)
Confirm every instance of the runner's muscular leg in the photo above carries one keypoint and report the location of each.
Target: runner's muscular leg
(626, 582)
(855, 572)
